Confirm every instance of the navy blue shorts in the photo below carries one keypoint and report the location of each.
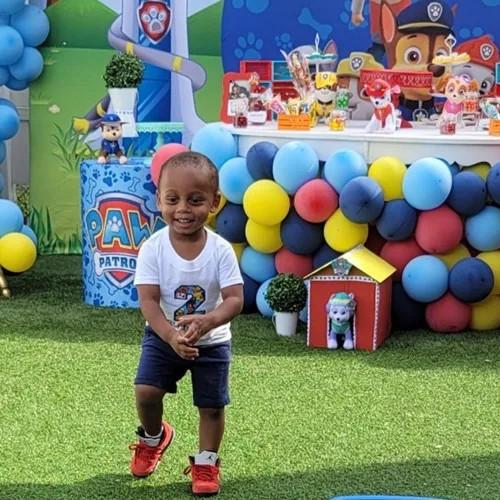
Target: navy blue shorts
(160, 366)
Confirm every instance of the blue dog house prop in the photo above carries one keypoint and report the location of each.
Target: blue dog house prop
(118, 214)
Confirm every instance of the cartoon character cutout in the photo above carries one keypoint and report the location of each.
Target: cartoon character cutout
(340, 310)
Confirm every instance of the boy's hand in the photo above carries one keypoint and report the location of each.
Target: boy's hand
(357, 19)
(195, 325)
(182, 347)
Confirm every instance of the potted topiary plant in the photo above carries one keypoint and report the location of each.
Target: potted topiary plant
(123, 75)
(286, 295)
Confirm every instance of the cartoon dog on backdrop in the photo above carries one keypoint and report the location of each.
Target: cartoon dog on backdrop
(412, 40)
(340, 311)
(385, 116)
(484, 55)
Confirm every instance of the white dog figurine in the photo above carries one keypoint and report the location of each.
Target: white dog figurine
(385, 117)
(340, 310)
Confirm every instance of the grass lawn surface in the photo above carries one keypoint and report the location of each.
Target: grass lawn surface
(419, 416)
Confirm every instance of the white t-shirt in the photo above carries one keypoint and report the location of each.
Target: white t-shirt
(189, 286)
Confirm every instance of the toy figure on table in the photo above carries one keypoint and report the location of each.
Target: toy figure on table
(112, 132)
(340, 311)
(385, 117)
(325, 85)
(299, 70)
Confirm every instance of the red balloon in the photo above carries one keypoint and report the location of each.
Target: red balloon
(162, 156)
(448, 315)
(439, 230)
(289, 262)
(316, 201)
(399, 253)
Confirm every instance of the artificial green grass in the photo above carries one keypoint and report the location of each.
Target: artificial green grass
(419, 416)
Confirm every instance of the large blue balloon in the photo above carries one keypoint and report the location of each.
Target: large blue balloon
(26, 230)
(398, 221)
(471, 280)
(29, 66)
(250, 288)
(425, 278)
(468, 193)
(493, 183)
(3, 152)
(260, 158)
(427, 183)
(10, 7)
(6, 102)
(300, 236)
(259, 266)
(361, 200)
(4, 76)
(14, 84)
(324, 255)
(483, 230)
(216, 142)
(407, 314)
(11, 218)
(234, 179)
(231, 222)
(4, 20)
(11, 46)
(295, 164)
(262, 304)
(342, 166)
(9, 122)
(32, 24)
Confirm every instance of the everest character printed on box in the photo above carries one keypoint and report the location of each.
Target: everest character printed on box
(340, 311)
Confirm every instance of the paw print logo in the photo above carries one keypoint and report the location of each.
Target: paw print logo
(125, 176)
(98, 299)
(249, 47)
(434, 11)
(114, 224)
(487, 51)
(96, 174)
(356, 63)
(110, 179)
(284, 41)
(254, 6)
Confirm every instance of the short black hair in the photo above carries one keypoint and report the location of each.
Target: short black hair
(196, 160)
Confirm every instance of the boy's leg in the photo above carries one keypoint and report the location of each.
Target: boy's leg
(211, 428)
(149, 403)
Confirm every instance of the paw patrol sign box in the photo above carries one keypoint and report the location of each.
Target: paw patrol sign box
(365, 275)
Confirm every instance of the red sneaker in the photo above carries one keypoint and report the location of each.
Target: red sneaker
(145, 458)
(205, 479)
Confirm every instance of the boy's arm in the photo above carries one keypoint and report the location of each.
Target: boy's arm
(357, 12)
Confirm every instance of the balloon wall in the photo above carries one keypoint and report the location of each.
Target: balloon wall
(438, 225)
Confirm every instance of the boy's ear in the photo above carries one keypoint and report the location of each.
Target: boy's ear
(216, 203)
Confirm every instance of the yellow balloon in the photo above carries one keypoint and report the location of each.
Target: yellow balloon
(388, 171)
(17, 252)
(486, 314)
(266, 203)
(265, 239)
(493, 260)
(341, 234)
(482, 169)
(238, 249)
(451, 258)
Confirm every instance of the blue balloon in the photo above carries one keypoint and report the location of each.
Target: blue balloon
(26, 230)
(4, 20)
(32, 24)
(361, 200)
(468, 193)
(324, 255)
(407, 314)
(427, 183)
(231, 222)
(300, 236)
(471, 280)
(425, 278)
(493, 183)
(344, 165)
(9, 122)
(4, 75)
(29, 66)
(216, 142)
(6, 102)
(260, 159)
(10, 7)
(234, 179)
(304, 314)
(259, 266)
(398, 220)
(11, 218)
(14, 84)
(250, 288)
(11, 46)
(483, 230)
(295, 164)
(262, 305)
(3, 152)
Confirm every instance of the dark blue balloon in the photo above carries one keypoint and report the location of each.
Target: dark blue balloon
(231, 222)
(493, 183)
(18, 85)
(260, 159)
(407, 314)
(471, 280)
(468, 193)
(4, 75)
(250, 288)
(398, 220)
(323, 255)
(361, 200)
(299, 236)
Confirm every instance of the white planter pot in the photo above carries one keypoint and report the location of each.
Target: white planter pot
(124, 104)
(285, 323)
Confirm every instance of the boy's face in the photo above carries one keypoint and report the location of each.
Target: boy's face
(185, 197)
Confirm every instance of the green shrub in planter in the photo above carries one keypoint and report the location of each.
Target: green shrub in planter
(124, 71)
(286, 293)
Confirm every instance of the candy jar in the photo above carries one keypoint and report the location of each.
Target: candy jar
(338, 118)
(448, 125)
(257, 112)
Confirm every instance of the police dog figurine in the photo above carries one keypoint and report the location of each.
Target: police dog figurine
(111, 129)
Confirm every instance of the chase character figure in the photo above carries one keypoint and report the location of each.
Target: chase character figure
(111, 127)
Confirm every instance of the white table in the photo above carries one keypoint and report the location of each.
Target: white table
(466, 147)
